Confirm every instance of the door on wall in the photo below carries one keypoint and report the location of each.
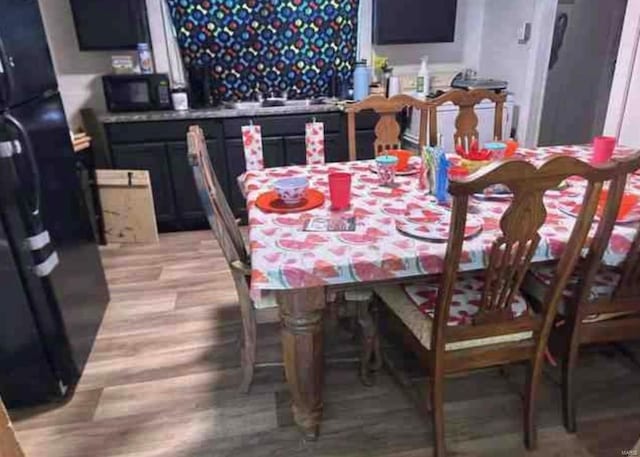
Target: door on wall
(583, 58)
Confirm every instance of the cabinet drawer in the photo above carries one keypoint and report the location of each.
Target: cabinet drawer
(282, 125)
(135, 132)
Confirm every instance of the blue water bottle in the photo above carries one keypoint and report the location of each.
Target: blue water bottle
(361, 80)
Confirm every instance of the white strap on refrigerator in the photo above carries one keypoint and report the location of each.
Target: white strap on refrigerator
(37, 242)
(45, 268)
(9, 148)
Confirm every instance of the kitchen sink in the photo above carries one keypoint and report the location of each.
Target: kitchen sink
(274, 102)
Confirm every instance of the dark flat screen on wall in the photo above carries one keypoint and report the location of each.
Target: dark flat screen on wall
(414, 21)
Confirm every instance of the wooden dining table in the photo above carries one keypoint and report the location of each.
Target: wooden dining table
(299, 266)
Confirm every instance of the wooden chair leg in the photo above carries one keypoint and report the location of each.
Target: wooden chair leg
(437, 414)
(248, 358)
(530, 401)
(371, 358)
(569, 362)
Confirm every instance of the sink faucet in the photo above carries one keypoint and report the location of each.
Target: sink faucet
(258, 94)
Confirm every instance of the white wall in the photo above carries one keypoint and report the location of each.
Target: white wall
(623, 114)
(78, 72)
(464, 49)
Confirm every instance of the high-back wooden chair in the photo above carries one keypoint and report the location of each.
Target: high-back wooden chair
(601, 304)
(9, 445)
(232, 244)
(387, 130)
(467, 120)
(496, 326)
(226, 231)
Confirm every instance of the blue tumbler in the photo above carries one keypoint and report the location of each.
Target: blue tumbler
(361, 80)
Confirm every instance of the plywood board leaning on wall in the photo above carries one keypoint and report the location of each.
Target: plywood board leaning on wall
(127, 206)
(9, 446)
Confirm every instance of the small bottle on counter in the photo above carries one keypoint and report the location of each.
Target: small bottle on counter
(423, 80)
(180, 98)
(145, 60)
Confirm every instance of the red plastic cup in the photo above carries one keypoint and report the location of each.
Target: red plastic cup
(603, 147)
(340, 190)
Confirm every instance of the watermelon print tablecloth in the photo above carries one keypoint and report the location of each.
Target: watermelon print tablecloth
(285, 257)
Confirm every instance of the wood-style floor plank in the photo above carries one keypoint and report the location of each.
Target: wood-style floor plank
(163, 374)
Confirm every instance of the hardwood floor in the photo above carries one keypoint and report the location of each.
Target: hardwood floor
(162, 381)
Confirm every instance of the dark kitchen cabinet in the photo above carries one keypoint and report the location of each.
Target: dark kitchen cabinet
(296, 149)
(414, 21)
(112, 24)
(151, 157)
(187, 200)
(160, 147)
(175, 196)
(274, 156)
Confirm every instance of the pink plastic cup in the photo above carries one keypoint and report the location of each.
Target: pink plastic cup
(603, 147)
(340, 190)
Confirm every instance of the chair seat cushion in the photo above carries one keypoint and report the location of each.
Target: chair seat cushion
(414, 305)
(539, 279)
(467, 295)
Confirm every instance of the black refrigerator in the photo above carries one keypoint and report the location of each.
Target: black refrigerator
(53, 291)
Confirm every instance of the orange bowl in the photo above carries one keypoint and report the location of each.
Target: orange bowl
(403, 158)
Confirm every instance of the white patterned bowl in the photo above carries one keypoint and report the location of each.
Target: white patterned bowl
(291, 190)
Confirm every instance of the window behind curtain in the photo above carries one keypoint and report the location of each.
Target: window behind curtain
(273, 45)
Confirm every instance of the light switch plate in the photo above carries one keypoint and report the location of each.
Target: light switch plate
(524, 33)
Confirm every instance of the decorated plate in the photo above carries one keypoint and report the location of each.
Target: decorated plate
(270, 203)
(413, 167)
(501, 192)
(434, 224)
(629, 208)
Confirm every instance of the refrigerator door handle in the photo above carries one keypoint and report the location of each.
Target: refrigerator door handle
(37, 242)
(28, 150)
(6, 65)
(45, 268)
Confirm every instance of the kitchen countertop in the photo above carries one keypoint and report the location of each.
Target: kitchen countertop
(216, 113)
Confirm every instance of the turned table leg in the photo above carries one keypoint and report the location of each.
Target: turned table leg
(301, 314)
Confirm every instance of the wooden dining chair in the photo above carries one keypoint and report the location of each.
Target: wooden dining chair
(227, 232)
(466, 124)
(600, 304)
(265, 309)
(469, 321)
(9, 445)
(387, 129)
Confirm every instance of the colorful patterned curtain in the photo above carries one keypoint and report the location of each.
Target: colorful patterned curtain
(270, 45)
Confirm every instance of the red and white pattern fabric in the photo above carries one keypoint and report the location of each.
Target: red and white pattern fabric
(283, 256)
(603, 286)
(314, 140)
(252, 143)
(539, 279)
(465, 304)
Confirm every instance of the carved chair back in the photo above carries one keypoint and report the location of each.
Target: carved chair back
(216, 207)
(626, 296)
(387, 130)
(467, 120)
(518, 237)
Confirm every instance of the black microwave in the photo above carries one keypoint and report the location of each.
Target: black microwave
(149, 92)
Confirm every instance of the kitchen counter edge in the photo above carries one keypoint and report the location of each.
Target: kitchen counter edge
(214, 113)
